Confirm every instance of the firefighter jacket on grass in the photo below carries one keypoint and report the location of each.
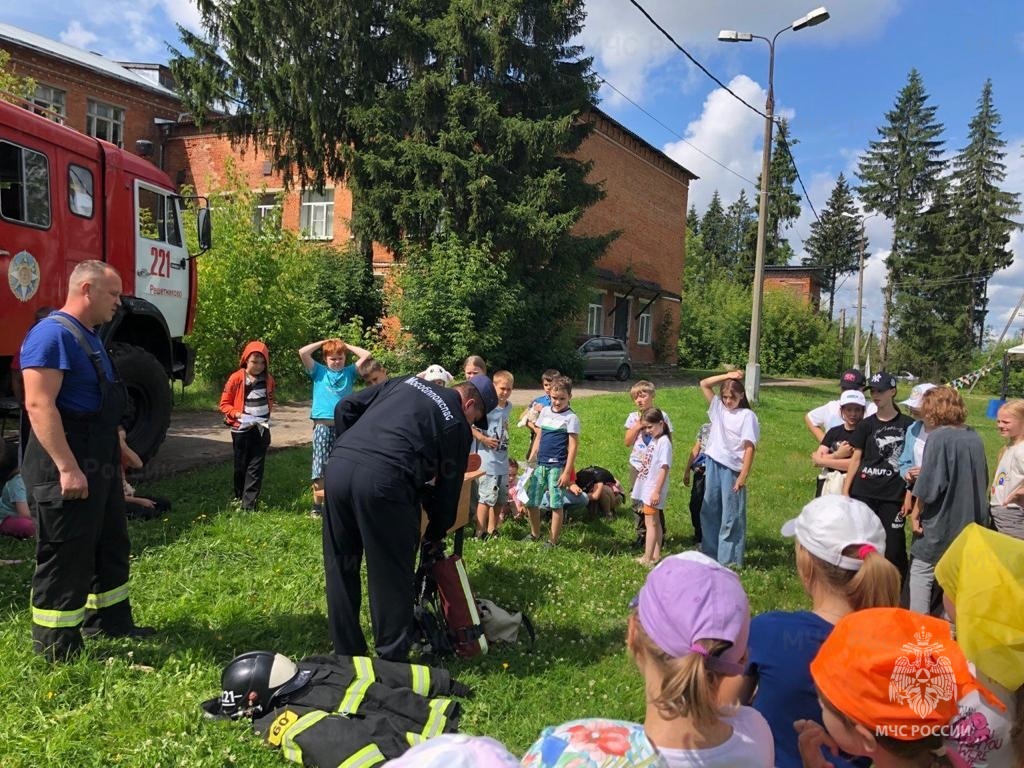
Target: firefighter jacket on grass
(358, 712)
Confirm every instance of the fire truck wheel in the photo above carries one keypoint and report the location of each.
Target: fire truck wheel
(148, 413)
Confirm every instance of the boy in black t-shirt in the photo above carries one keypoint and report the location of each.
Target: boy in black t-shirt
(877, 443)
(834, 453)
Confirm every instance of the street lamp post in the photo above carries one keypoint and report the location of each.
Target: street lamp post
(860, 298)
(752, 382)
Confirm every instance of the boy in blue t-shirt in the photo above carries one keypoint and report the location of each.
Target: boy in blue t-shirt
(558, 428)
(492, 447)
(331, 382)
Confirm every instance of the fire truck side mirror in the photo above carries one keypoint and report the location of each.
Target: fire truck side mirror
(205, 229)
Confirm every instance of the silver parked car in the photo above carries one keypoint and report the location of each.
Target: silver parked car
(605, 356)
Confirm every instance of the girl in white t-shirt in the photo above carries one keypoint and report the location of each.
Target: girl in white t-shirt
(1007, 497)
(730, 455)
(651, 485)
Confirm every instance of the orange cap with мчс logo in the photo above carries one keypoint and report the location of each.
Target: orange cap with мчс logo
(892, 669)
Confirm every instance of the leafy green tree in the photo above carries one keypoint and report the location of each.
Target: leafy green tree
(10, 83)
(834, 244)
(898, 175)
(444, 118)
(783, 205)
(982, 219)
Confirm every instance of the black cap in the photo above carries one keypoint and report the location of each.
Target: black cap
(851, 379)
(882, 381)
(488, 397)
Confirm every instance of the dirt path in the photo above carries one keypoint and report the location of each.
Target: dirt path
(199, 438)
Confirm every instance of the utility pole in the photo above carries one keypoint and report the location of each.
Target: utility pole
(860, 298)
(842, 339)
(883, 342)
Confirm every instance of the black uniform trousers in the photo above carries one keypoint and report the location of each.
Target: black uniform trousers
(250, 450)
(82, 546)
(373, 509)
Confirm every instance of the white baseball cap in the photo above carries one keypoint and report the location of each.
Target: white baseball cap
(829, 524)
(852, 397)
(917, 395)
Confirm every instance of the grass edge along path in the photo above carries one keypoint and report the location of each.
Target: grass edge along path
(219, 582)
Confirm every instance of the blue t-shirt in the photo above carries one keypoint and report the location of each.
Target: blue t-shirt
(13, 492)
(555, 429)
(781, 647)
(494, 461)
(51, 345)
(328, 388)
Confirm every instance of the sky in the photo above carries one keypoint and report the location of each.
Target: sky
(834, 82)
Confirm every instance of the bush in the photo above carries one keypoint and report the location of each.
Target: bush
(715, 329)
(257, 282)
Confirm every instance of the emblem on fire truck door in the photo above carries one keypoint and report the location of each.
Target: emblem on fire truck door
(23, 275)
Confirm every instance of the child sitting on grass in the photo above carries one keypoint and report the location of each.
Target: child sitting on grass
(137, 507)
(15, 517)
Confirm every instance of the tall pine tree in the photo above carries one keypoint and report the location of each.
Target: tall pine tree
(714, 232)
(899, 174)
(783, 204)
(446, 119)
(982, 219)
(741, 215)
(834, 244)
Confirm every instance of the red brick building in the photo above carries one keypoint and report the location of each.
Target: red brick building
(803, 282)
(639, 279)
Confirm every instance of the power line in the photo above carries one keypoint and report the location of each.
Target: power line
(675, 133)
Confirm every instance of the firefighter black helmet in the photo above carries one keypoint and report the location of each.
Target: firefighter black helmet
(251, 682)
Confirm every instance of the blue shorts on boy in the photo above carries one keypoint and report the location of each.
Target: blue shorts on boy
(328, 388)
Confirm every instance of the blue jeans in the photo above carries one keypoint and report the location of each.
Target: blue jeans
(723, 517)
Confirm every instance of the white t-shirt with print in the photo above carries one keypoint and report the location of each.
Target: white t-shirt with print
(641, 442)
(750, 746)
(729, 431)
(830, 414)
(655, 456)
(1009, 474)
(981, 733)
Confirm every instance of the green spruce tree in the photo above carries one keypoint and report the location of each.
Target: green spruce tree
(898, 175)
(741, 215)
(783, 204)
(714, 232)
(834, 244)
(982, 219)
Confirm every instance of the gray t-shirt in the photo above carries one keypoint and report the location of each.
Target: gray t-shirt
(953, 486)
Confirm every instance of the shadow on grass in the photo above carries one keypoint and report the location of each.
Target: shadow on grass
(767, 553)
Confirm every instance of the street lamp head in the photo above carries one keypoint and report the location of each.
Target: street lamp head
(815, 17)
(732, 36)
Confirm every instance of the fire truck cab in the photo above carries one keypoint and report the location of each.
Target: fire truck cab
(66, 197)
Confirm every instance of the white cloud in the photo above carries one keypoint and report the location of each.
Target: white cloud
(78, 36)
(627, 48)
(182, 12)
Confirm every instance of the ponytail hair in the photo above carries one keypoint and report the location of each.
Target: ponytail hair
(735, 387)
(657, 416)
(688, 687)
(875, 585)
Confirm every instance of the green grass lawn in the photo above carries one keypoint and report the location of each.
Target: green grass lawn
(219, 582)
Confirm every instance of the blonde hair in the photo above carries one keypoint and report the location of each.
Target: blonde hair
(476, 361)
(875, 585)
(505, 376)
(688, 687)
(368, 366)
(943, 407)
(642, 386)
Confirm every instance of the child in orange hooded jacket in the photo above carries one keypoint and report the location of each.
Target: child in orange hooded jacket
(246, 402)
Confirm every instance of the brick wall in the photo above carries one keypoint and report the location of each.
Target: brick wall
(141, 106)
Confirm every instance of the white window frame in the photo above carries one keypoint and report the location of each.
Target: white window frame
(643, 328)
(264, 208)
(46, 97)
(595, 315)
(316, 217)
(105, 121)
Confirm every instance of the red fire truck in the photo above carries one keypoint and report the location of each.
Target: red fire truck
(66, 197)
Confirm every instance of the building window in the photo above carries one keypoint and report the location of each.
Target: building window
(49, 100)
(267, 212)
(316, 220)
(595, 315)
(105, 122)
(24, 185)
(643, 329)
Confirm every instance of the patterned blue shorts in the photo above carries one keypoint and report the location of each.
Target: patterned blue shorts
(323, 441)
(544, 482)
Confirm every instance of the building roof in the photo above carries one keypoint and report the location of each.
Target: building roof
(605, 116)
(93, 61)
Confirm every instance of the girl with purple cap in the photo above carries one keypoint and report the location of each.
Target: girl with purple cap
(687, 631)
